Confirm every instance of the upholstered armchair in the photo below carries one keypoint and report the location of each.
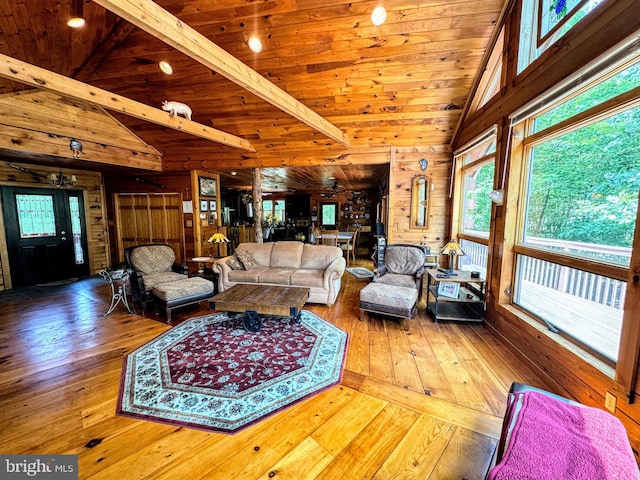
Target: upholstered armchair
(402, 266)
(151, 265)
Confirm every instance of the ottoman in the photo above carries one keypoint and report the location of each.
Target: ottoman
(389, 300)
(179, 293)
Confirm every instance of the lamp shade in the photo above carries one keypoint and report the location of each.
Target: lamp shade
(218, 238)
(452, 248)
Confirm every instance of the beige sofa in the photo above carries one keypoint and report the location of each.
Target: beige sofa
(319, 267)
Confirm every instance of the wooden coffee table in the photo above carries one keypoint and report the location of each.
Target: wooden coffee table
(256, 300)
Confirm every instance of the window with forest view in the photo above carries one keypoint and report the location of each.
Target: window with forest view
(478, 183)
(582, 178)
(475, 173)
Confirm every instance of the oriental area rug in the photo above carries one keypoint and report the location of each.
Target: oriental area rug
(210, 373)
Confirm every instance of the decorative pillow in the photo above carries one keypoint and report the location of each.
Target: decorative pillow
(235, 263)
(247, 259)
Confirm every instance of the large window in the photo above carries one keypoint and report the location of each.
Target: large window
(490, 82)
(475, 172)
(273, 212)
(579, 201)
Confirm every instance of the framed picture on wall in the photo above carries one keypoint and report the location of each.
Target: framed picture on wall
(204, 205)
(213, 206)
(208, 187)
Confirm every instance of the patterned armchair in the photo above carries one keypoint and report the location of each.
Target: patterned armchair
(402, 266)
(151, 265)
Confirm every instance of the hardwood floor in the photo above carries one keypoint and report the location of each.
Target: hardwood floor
(423, 403)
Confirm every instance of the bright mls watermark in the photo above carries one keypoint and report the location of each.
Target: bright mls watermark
(45, 467)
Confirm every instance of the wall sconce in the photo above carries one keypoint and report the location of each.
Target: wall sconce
(61, 180)
(423, 164)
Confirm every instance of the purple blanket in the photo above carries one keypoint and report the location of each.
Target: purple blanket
(555, 440)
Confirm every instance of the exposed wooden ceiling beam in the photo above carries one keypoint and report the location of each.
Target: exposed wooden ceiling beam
(120, 31)
(39, 77)
(163, 25)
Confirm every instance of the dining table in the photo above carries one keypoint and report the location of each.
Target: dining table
(343, 237)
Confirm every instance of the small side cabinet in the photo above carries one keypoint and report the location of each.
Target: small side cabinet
(457, 297)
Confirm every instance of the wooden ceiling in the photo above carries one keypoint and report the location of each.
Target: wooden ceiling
(402, 84)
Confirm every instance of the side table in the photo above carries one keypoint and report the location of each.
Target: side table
(455, 297)
(119, 279)
(201, 267)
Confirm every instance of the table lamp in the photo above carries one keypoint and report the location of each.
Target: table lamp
(452, 248)
(218, 238)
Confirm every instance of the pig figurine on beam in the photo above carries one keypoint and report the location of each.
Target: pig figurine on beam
(177, 108)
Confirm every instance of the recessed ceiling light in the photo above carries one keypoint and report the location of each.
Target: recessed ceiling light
(378, 16)
(255, 44)
(166, 67)
(234, 173)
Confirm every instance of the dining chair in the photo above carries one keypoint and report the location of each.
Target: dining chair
(316, 232)
(330, 237)
(349, 247)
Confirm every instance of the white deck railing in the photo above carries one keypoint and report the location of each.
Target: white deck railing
(590, 286)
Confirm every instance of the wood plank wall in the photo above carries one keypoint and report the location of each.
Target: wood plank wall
(40, 122)
(142, 218)
(570, 374)
(94, 203)
(405, 165)
(172, 182)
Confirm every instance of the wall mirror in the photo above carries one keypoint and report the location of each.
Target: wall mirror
(420, 189)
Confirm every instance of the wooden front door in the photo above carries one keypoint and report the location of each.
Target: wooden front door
(46, 234)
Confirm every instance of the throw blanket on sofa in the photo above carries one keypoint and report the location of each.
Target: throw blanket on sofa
(555, 440)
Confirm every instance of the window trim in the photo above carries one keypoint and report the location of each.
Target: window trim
(622, 54)
(591, 266)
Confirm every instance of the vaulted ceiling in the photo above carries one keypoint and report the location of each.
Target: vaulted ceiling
(400, 84)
